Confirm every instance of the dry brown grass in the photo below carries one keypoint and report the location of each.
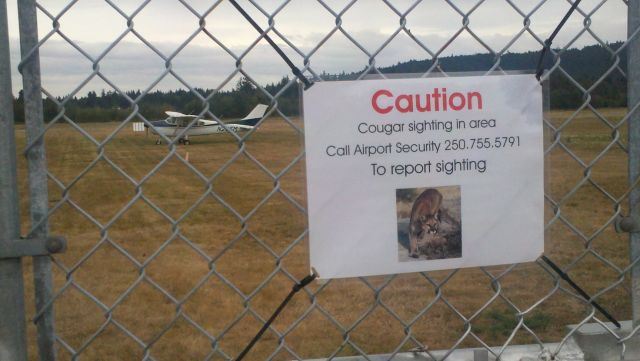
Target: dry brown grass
(216, 232)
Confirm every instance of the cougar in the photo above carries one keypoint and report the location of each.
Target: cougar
(425, 218)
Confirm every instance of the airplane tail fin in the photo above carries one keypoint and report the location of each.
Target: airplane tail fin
(255, 115)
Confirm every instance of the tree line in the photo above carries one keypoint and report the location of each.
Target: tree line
(110, 105)
(584, 66)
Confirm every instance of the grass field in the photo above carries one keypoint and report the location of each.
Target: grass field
(138, 251)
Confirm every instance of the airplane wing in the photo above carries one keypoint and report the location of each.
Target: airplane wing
(181, 118)
(179, 115)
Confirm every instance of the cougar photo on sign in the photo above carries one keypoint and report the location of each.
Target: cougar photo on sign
(429, 223)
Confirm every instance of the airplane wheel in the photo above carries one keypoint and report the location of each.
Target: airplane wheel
(187, 142)
(180, 141)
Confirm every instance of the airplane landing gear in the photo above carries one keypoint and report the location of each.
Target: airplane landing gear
(158, 142)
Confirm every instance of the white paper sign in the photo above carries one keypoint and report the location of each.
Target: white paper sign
(413, 175)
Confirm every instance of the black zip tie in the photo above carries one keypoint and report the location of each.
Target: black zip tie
(582, 293)
(294, 69)
(547, 43)
(297, 287)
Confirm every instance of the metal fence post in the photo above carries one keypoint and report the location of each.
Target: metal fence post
(37, 167)
(12, 316)
(633, 97)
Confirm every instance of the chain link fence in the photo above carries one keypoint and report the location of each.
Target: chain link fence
(182, 252)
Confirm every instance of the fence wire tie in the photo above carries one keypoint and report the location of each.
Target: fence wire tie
(582, 293)
(294, 69)
(547, 43)
(296, 287)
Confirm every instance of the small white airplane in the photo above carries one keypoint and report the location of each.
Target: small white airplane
(172, 126)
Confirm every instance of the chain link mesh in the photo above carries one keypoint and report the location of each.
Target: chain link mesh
(176, 258)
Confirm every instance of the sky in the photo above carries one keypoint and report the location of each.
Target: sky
(167, 25)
